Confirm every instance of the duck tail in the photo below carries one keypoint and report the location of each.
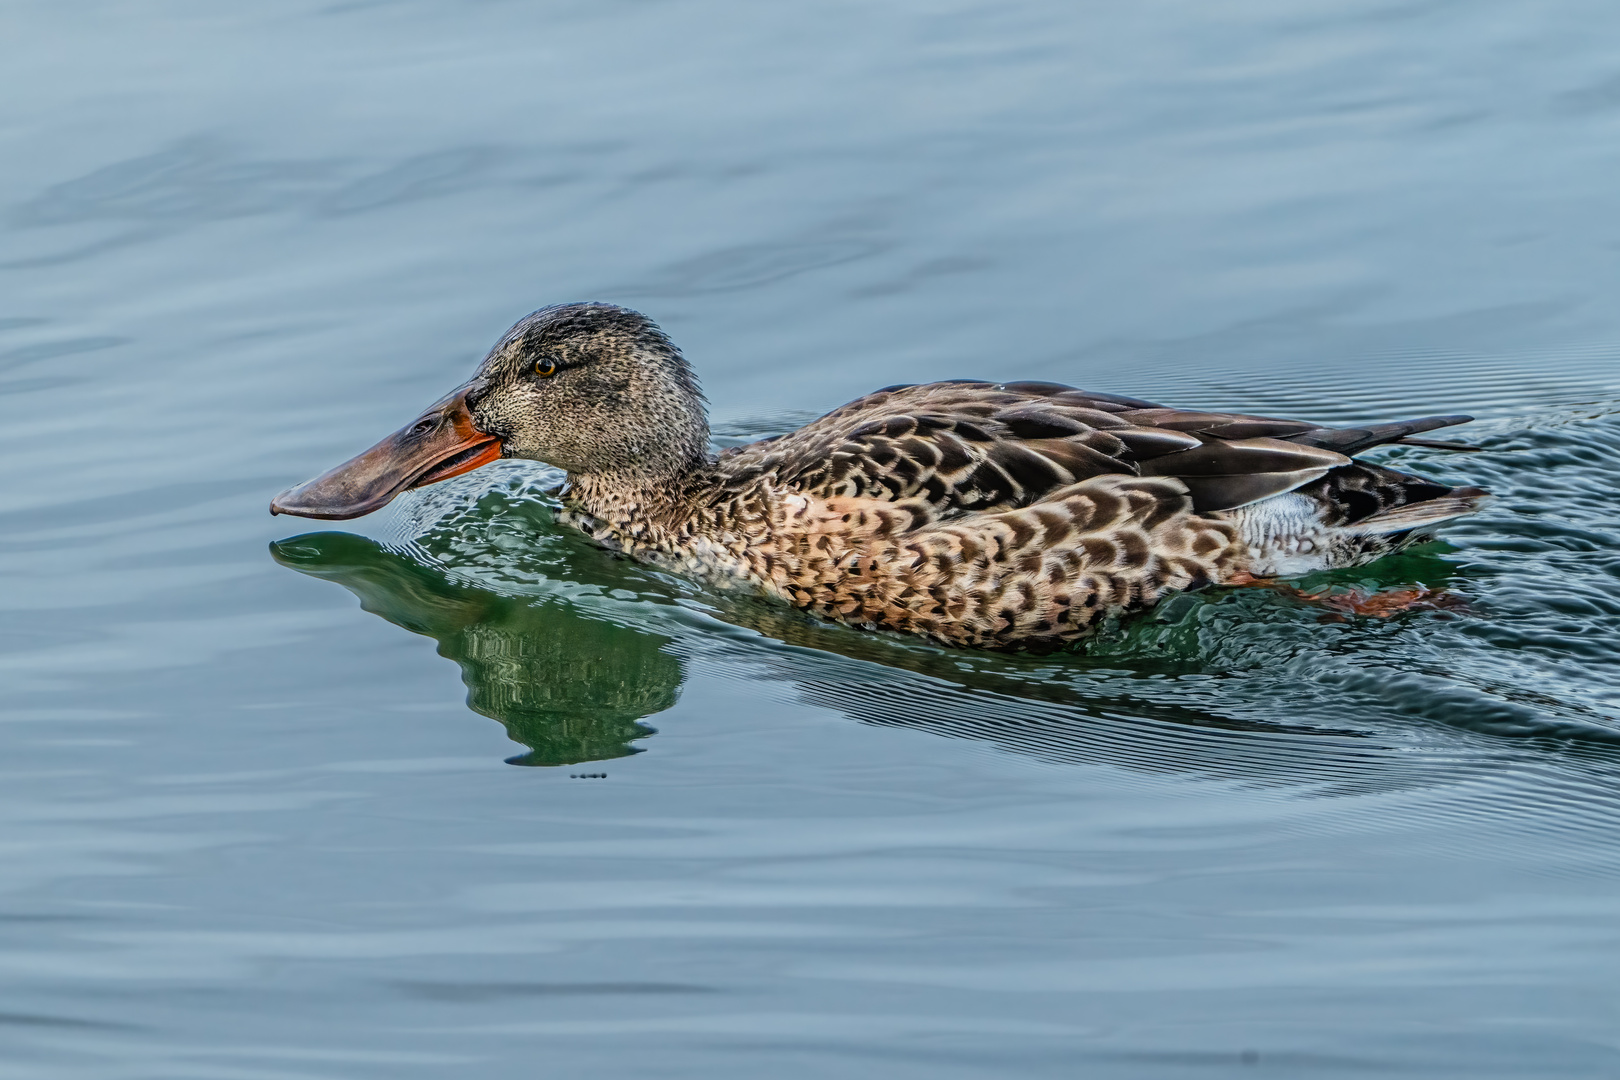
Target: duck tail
(1455, 503)
(1353, 440)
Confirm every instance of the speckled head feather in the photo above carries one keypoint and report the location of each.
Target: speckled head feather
(594, 389)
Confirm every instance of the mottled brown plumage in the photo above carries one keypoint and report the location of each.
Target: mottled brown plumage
(973, 513)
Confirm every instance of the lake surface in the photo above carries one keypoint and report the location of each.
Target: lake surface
(452, 794)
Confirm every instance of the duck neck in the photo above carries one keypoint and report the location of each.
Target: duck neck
(641, 509)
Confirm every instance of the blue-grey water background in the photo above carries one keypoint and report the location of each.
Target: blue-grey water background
(250, 830)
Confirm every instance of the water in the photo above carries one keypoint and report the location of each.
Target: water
(253, 828)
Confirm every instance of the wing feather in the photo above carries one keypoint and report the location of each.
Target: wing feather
(966, 446)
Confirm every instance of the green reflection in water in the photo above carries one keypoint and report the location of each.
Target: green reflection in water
(555, 649)
(569, 687)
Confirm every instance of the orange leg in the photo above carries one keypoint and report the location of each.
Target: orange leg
(1381, 605)
(1378, 605)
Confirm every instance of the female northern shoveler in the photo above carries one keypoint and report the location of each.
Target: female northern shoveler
(974, 513)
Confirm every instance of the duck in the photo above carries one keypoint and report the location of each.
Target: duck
(978, 514)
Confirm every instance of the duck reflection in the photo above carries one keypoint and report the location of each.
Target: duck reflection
(572, 669)
(572, 650)
(569, 687)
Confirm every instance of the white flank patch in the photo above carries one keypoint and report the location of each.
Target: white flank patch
(1284, 534)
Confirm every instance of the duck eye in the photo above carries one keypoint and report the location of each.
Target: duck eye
(545, 368)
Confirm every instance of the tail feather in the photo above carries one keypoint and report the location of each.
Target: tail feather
(1441, 444)
(1350, 441)
(1417, 515)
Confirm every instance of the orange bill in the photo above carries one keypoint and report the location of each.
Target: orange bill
(439, 444)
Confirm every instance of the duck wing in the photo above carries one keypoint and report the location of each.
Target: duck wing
(976, 446)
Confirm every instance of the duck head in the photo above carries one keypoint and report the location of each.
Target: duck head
(594, 389)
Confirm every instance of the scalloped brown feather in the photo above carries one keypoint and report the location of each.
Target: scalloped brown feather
(992, 515)
(981, 446)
